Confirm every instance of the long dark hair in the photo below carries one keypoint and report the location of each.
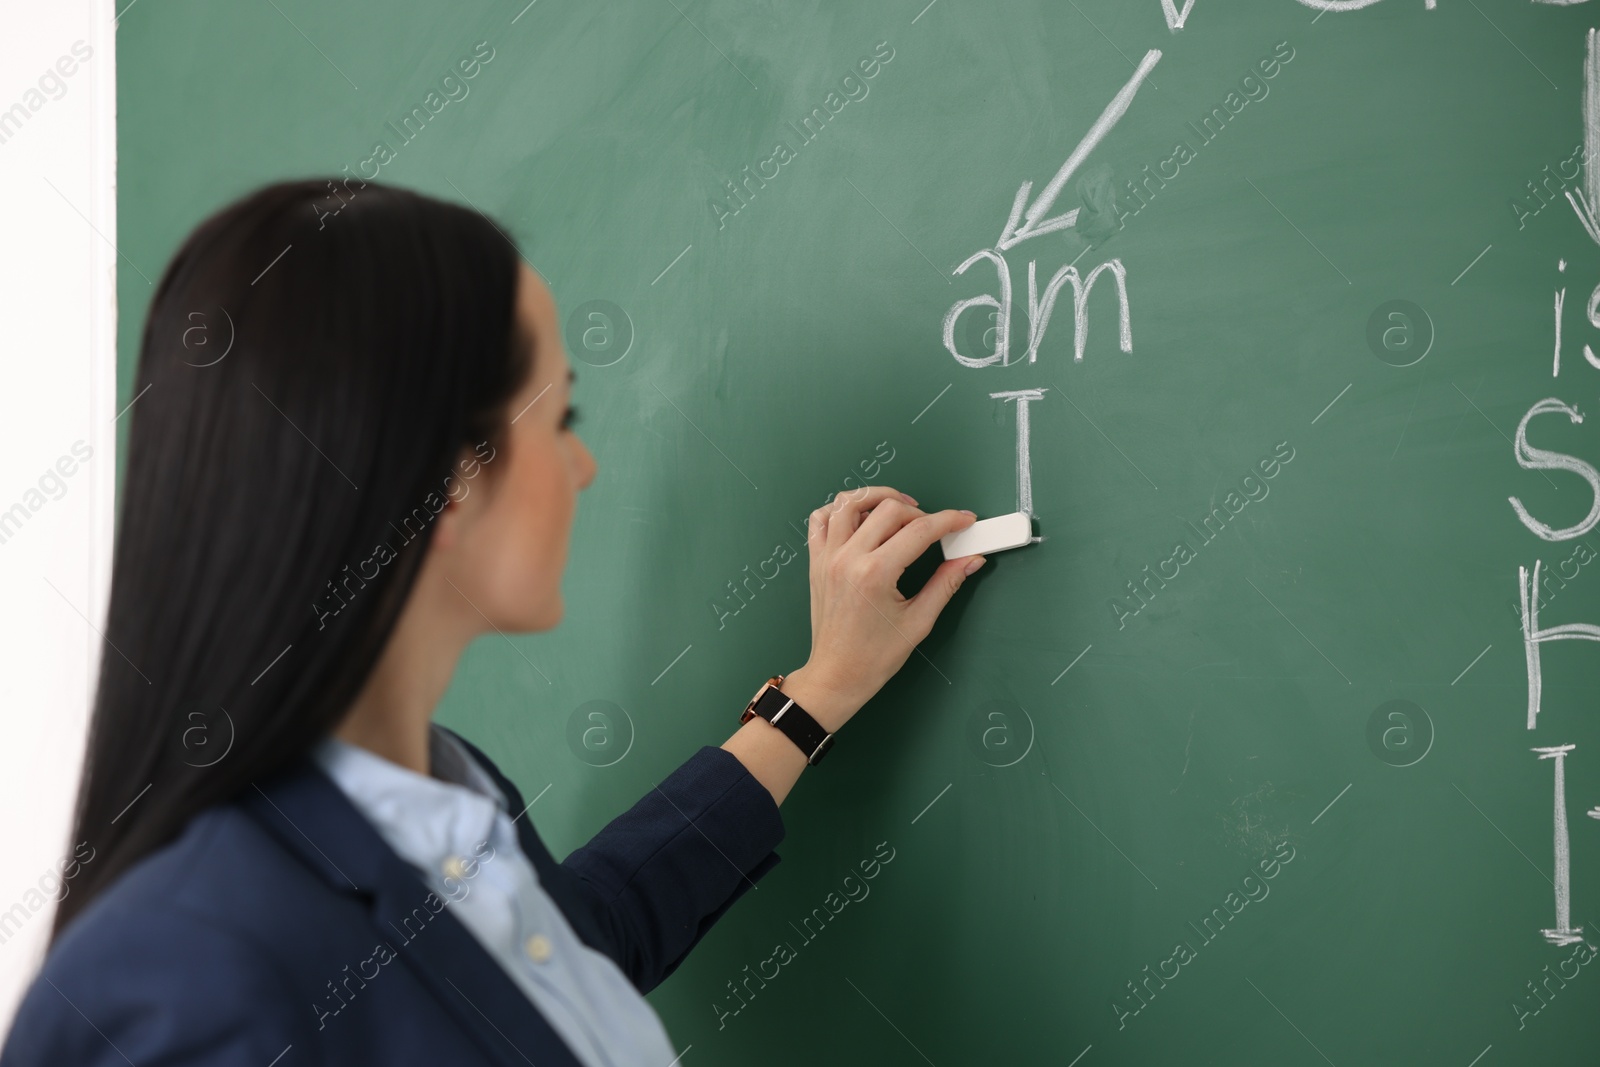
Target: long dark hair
(316, 358)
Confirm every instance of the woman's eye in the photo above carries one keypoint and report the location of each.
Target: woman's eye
(570, 418)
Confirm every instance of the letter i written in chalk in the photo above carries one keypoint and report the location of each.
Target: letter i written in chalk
(1024, 469)
(1564, 933)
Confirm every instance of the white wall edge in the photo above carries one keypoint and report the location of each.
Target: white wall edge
(58, 314)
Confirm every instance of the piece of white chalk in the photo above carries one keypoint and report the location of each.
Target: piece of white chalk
(989, 535)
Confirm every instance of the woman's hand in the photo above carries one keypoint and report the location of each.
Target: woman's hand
(862, 629)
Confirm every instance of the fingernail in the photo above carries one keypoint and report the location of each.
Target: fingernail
(964, 511)
(974, 563)
(908, 498)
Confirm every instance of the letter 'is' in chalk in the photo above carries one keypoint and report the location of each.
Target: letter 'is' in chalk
(989, 535)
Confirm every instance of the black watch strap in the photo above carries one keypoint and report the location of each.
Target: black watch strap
(780, 710)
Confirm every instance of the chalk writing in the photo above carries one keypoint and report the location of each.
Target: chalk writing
(1528, 586)
(1027, 221)
(1533, 636)
(1176, 17)
(1583, 553)
(1535, 459)
(1563, 933)
(1024, 472)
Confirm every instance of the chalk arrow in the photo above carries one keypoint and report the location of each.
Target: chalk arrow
(1028, 221)
(1176, 18)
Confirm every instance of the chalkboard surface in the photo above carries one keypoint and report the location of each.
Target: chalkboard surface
(1235, 764)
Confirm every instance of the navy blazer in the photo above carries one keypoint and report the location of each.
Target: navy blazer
(229, 945)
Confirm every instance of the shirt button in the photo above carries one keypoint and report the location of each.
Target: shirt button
(454, 868)
(537, 948)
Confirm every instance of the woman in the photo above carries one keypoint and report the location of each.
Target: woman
(360, 406)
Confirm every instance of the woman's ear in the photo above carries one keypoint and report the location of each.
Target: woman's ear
(458, 488)
(447, 533)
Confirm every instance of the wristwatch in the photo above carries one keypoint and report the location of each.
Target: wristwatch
(780, 710)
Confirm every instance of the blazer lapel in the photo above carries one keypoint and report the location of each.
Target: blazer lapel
(311, 817)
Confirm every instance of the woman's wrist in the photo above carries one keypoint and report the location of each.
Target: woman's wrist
(824, 702)
(773, 759)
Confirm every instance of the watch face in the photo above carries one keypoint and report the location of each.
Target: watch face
(750, 708)
(771, 683)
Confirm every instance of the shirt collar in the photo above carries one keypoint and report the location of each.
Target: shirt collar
(449, 760)
(425, 819)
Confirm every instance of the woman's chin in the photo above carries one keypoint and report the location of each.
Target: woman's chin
(546, 617)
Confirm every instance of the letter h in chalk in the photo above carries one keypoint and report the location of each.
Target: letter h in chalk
(1533, 637)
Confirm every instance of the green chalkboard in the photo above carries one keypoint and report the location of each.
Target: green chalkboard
(1234, 764)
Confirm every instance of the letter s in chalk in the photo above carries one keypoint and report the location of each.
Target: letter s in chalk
(989, 535)
(1539, 459)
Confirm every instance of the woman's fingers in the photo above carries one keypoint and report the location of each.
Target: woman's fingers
(862, 629)
(914, 538)
(924, 608)
(817, 533)
(885, 521)
(845, 511)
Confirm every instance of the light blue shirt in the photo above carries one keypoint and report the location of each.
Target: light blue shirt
(454, 829)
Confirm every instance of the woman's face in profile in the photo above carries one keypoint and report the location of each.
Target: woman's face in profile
(505, 541)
